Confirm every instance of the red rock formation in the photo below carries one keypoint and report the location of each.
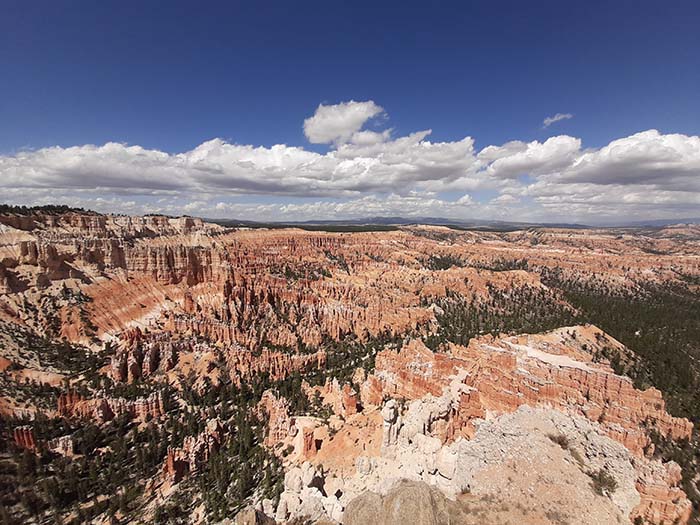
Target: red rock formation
(102, 409)
(176, 465)
(342, 400)
(662, 500)
(243, 364)
(68, 403)
(95, 225)
(362, 284)
(276, 411)
(5, 280)
(194, 453)
(269, 301)
(139, 357)
(25, 439)
(308, 444)
(189, 305)
(503, 375)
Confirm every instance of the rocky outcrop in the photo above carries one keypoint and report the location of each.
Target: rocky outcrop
(50, 264)
(62, 445)
(499, 375)
(69, 404)
(294, 288)
(243, 364)
(662, 499)
(71, 223)
(194, 453)
(432, 408)
(102, 409)
(407, 502)
(257, 309)
(24, 438)
(306, 495)
(138, 357)
(342, 400)
(524, 467)
(252, 516)
(275, 410)
(141, 356)
(6, 285)
(173, 264)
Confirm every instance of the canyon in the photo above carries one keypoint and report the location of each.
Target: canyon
(158, 369)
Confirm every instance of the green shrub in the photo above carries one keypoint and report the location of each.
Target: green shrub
(603, 482)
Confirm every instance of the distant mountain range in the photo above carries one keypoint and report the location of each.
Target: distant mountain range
(393, 222)
(663, 222)
(377, 223)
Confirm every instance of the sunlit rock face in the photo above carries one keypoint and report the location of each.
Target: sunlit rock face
(444, 419)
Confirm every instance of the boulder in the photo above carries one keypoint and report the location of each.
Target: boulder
(251, 516)
(407, 502)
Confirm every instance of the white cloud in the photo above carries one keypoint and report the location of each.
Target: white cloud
(667, 162)
(370, 138)
(338, 123)
(218, 167)
(548, 121)
(378, 205)
(505, 199)
(465, 200)
(534, 158)
(648, 174)
(671, 161)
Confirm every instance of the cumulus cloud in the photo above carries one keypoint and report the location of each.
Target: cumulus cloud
(219, 167)
(505, 199)
(366, 172)
(534, 158)
(595, 204)
(338, 123)
(465, 200)
(668, 162)
(548, 121)
(671, 161)
(380, 205)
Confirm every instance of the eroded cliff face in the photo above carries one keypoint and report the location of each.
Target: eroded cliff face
(76, 224)
(103, 408)
(194, 453)
(290, 287)
(341, 349)
(501, 374)
(433, 409)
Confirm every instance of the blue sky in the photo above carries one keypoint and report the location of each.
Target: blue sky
(169, 78)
